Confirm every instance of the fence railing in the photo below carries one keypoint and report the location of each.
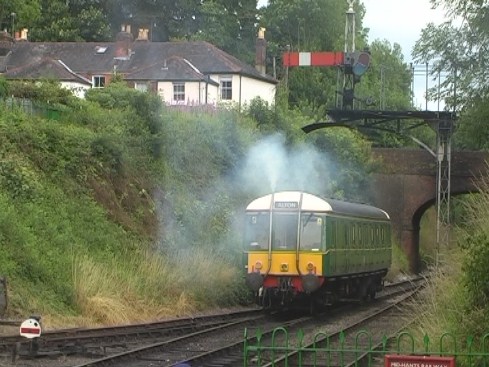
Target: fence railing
(402, 350)
(32, 108)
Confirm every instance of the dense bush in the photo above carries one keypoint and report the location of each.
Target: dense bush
(44, 91)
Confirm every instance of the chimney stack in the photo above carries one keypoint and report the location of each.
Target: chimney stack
(261, 52)
(143, 34)
(21, 35)
(123, 43)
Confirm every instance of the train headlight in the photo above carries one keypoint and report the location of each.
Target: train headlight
(258, 265)
(310, 267)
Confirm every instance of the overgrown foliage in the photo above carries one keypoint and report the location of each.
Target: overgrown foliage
(117, 181)
(456, 298)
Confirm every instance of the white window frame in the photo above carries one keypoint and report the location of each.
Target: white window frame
(178, 92)
(98, 81)
(141, 86)
(226, 86)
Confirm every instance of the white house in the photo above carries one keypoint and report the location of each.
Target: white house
(182, 73)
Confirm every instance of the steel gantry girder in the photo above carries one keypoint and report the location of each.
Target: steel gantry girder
(401, 123)
(444, 131)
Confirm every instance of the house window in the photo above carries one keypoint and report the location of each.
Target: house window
(140, 86)
(98, 81)
(226, 89)
(178, 92)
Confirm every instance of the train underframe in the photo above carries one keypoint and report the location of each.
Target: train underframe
(288, 292)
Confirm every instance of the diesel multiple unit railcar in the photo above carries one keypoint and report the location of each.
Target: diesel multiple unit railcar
(302, 249)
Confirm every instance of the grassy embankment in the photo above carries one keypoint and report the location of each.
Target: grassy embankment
(124, 211)
(82, 237)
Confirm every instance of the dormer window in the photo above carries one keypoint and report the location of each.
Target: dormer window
(98, 81)
(100, 49)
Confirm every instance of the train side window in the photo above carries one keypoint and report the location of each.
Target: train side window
(311, 232)
(334, 235)
(364, 234)
(352, 235)
(360, 234)
(372, 235)
(343, 234)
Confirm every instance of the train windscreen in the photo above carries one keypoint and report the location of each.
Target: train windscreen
(257, 230)
(284, 233)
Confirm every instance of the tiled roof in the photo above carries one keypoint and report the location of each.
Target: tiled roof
(45, 68)
(89, 58)
(174, 68)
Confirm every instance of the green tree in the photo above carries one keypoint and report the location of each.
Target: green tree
(472, 132)
(386, 84)
(229, 25)
(165, 19)
(458, 48)
(18, 13)
(316, 25)
(71, 21)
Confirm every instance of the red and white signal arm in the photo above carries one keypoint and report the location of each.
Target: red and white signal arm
(30, 328)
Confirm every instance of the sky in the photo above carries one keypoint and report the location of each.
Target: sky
(400, 21)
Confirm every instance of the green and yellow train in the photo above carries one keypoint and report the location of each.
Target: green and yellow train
(306, 250)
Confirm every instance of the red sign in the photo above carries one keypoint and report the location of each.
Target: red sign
(418, 361)
(30, 328)
(313, 58)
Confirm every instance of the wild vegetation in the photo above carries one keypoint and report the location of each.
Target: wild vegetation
(110, 213)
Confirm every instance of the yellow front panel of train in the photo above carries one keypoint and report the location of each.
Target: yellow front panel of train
(284, 263)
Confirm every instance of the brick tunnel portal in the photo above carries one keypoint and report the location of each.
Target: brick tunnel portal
(405, 187)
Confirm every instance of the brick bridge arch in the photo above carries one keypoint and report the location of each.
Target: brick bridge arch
(405, 187)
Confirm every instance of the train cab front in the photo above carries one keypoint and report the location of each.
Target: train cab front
(278, 282)
(283, 250)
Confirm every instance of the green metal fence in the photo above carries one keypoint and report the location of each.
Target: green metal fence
(365, 350)
(28, 106)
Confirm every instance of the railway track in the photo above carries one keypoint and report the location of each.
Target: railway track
(100, 342)
(202, 341)
(379, 316)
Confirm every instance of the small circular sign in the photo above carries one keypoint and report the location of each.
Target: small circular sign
(30, 328)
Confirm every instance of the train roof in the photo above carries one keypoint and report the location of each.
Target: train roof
(308, 202)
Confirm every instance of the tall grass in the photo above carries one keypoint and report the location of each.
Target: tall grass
(150, 286)
(441, 304)
(457, 295)
(399, 265)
